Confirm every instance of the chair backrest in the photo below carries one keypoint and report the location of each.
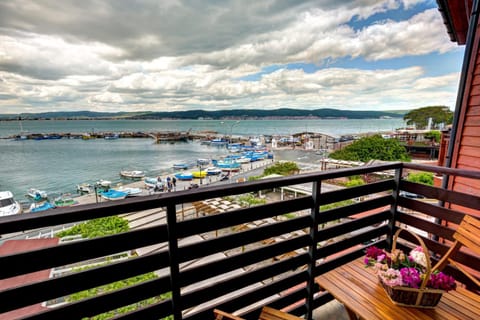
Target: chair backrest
(467, 235)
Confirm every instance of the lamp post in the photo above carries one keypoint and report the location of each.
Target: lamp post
(231, 128)
(201, 178)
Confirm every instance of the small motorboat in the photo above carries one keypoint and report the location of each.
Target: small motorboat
(132, 174)
(65, 200)
(180, 166)
(203, 162)
(153, 183)
(184, 176)
(113, 194)
(199, 174)
(36, 194)
(8, 206)
(102, 185)
(44, 206)
(131, 192)
(84, 188)
(213, 171)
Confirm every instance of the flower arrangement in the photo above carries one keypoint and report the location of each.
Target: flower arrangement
(408, 279)
(398, 269)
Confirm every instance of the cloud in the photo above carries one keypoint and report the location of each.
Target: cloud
(177, 55)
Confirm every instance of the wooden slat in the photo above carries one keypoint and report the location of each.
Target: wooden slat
(274, 314)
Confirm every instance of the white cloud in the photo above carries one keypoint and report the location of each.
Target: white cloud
(172, 55)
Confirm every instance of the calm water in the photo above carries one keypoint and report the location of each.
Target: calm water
(57, 166)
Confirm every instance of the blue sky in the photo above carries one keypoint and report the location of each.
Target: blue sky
(179, 55)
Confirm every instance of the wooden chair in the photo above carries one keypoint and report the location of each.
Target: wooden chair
(467, 235)
(267, 314)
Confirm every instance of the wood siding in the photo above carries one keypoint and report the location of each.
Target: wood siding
(466, 153)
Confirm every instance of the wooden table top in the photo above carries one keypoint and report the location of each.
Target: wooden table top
(358, 289)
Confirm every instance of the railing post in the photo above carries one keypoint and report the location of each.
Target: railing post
(174, 263)
(393, 207)
(315, 218)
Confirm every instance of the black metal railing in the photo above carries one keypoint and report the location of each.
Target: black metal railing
(236, 260)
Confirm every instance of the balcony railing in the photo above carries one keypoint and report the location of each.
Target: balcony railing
(236, 260)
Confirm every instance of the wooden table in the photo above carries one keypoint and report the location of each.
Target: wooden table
(358, 289)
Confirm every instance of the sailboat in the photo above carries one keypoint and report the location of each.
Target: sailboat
(23, 134)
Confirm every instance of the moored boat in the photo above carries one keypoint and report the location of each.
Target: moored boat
(199, 174)
(36, 194)
(132, 174)
(202, 161)
(131, 192)
(184, 176)
(43, 206)
(153, 183)
(8, 205)
(65, 200)
(180, 166)
(113, 194)
(84, 188)
(213, 171)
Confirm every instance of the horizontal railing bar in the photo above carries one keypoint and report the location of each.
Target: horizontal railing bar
(82, 280)
(263, 292)
(102, 303)
(337, 261)
(151, 312)
(352, 192)
(59, 255)
(352, 209)
(242, 238)
(346, 227)
(240, 216)
(433, 210)
(425, 225)
(240, 260)
(355, 192)
(443, 170)
(351, 241)
(225, 286)
(463, 199)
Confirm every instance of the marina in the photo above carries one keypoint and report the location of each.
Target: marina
(63, 165)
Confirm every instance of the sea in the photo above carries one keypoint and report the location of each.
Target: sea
(57, 166)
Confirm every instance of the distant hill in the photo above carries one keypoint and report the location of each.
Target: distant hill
(284, 113)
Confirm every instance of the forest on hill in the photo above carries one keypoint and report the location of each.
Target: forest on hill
(284, 113)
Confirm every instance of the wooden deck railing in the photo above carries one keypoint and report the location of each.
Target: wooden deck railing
(238, 260)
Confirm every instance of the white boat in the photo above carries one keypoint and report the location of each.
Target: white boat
(41, 206)
(213, 171)
(84, 188)
(202, 161)
(132, 174)
(113, 195)
(104, 183)
(130, 191)
(37, 194)
(8, 206)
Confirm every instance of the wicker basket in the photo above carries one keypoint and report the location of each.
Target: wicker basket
(422, 297)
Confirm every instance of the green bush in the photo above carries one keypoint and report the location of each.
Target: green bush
(97, 227)
(421, 177)
(282, 168)
(372, 148)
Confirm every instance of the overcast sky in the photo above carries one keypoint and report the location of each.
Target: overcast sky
(167, 55)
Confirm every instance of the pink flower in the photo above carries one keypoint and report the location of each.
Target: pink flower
(391, 277)
(418, 256)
